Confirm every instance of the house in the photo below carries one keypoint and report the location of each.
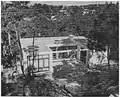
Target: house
(51, 51)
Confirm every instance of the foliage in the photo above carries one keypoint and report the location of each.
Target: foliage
(102, 85)
(6, 88)
(70, 70)
(3, 87)
(41, 86)
(62, 71)
(95, 82)
(76, 20)
(99, 22)
(57, 20)
(105, 33)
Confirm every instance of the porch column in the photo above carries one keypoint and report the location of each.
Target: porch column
(78, 52)
(51, 62)
(57, 56)
(56, 53)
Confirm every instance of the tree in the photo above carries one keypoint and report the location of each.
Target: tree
(105, 34)
(20, 20)
(11, 17)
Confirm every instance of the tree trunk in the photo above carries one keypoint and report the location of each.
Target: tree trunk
(20, 50)
(21, 55)
(33, 52)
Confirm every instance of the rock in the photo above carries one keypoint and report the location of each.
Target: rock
(49, 76)
(73, 87)
(61, 81)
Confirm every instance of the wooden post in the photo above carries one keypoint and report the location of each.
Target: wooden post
(38, 63)
(51, 62)
(87, 57)
(33, 51)
(78, 52)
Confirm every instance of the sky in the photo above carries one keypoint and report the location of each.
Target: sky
(68, 3)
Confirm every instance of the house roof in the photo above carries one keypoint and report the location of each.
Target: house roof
(43, 42)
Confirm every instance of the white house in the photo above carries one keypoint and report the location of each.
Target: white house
(51, 51)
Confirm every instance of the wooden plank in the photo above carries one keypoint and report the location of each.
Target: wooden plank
(39, 58)
(49, 62)
(43, 63)
(38, 62)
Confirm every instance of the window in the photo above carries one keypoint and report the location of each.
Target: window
(53, 48)
(63, 52)
(82, 47)
(67, 48)
(61, 48)
(63, 55)
(40, 62)
(72, 47)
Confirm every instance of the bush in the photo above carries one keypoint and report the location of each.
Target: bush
(62, 71)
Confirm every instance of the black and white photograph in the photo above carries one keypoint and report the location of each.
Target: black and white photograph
(60, 48)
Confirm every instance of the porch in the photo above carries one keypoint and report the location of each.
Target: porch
(45, 61)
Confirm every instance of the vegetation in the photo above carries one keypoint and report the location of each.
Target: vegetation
(98, 22)
(105, 35)
(95, 82)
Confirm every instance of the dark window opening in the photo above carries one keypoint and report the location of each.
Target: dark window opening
(53, 48)
(54, 56)
(83, 56)
(61, 48)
